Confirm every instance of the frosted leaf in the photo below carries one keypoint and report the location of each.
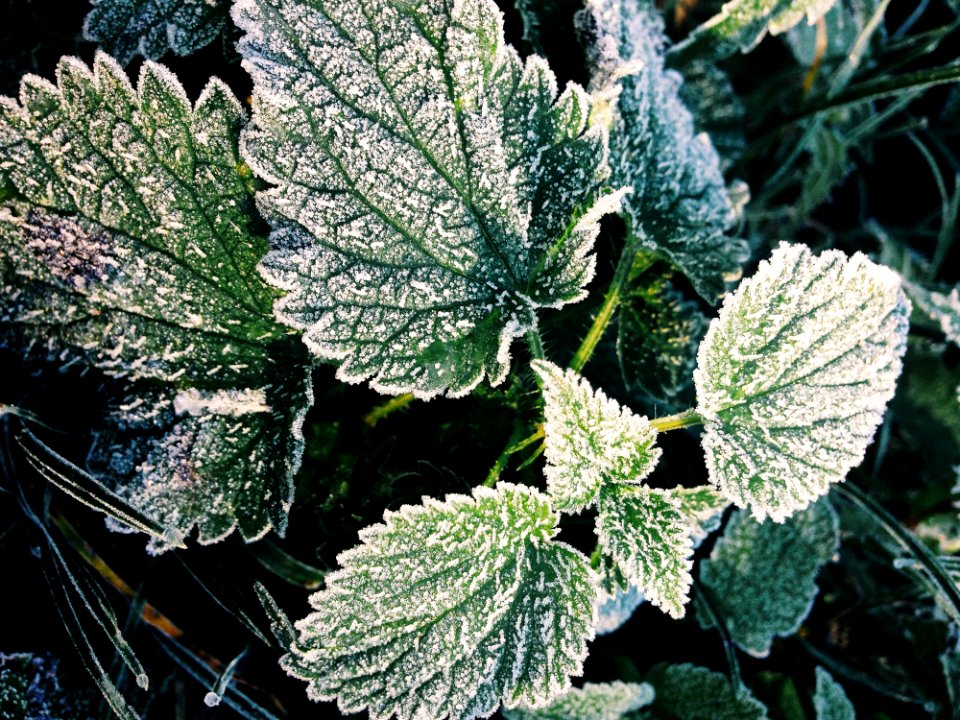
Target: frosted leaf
(133, 250)
(763, 575)
(432, 191)
(679, 206)
(617, 607)
(688, 692)
(657, 336)
(794, 376)
(742, 24)
(942, 308)
(214, 460)
(830, 701)
(589, 439)
(646, 533)
(594, 701)
(127, 28)
(703, 508)
(447, 608)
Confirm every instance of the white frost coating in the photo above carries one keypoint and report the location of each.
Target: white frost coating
(679, 206)
(795, 374)
(432, 191)
(830, 701)
(617, 608)
(234, 403)
(594, 701)
(126, 28)
(449, 607)
(590, 439)
(942, 308)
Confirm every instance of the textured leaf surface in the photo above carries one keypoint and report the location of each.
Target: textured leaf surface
(594, 701)
(742, 24)
(133, 251)
(657, 336)
(617, 607)
(942, 308)
(646, 533)
(126, 28)
(448, 607)
(830, 701)
(679, 206)
(763, 575)
(795, 374)
(589, 439)
(703, 508)
(432, 190)
(688, 692)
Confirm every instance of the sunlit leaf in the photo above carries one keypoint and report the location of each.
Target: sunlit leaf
(432, 191)
(795, 374)
(448, 608)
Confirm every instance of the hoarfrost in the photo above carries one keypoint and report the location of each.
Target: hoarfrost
(795, 374)
(594, 701)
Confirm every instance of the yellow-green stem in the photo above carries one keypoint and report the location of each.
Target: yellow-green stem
(687, 418)
(390, 406)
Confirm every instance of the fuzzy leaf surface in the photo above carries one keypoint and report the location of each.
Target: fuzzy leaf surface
(679, 206)
(763, 575)
(594, 701)
(617, 607)
(830, 701)
(448, 607)
(131, 248)
(742, 24)
(127, 28)
(942, 308)
(688, 692)
(590, 439)
(794, 376)
(432, 191)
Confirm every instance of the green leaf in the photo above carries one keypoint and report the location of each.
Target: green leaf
(830, 701)
(646, 533)
(617, 606)
(449, 607)
(432, 191)
(703, 508)
(795, 374)
(942, 308)
(131, 247)
(688, 692)
(762, 576)
(589, 439)
(657, 336)
(679, 206)
(742, 24)
(127, 28)
(594, 701)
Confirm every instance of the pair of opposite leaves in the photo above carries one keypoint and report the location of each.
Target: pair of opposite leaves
(431, 193)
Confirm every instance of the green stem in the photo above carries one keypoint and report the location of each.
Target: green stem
(687, 418)
(708, 605)
(908, 541)
(535, 343)
(387, 408)
(514, 445)
(610, 301)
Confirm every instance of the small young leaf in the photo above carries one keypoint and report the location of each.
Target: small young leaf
(617, 607)
(688, 692)
(133, 250)
(594, 701)
(742, 24)
(647, 534)
(589, 440)
(679, 206)
(794, 376)
(763, 575)
(703, 508)
(432, 191)
(830, 701)
(126, 28)
(942, 308)
(449, 607)
(657, 336)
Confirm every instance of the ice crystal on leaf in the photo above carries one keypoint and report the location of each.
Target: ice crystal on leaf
(589, 439)
(830, 701)
(763, 575)
(126, 28)
(447, 608)
(130, 247)
(794, 376)
(942, 308)
(679, 206)
(432, 191)
(594, 701)
(742, 24)
(617, 606)
(688, 692)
